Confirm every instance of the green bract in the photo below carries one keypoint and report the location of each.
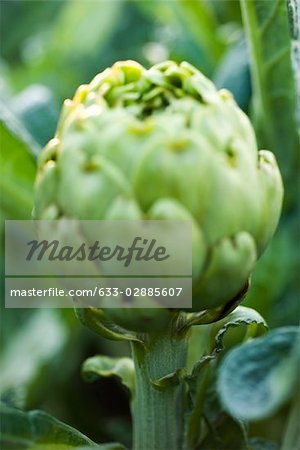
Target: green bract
(163, 143)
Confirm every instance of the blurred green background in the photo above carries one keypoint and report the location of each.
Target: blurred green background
(49, 48)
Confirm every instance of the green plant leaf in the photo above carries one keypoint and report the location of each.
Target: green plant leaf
(104, 366)
(256, 378)
(36, 430)
(33, 346)
(18, 168)
(242, 315)
(211, 339)
(274, 103)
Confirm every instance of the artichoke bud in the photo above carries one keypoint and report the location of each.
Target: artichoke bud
(164, 143)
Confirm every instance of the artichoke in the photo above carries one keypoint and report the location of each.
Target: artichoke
(164, 143)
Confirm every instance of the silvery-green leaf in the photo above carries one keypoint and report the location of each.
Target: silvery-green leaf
(268, 35)
(258, 377)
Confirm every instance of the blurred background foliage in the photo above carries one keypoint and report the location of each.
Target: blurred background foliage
(49, 48)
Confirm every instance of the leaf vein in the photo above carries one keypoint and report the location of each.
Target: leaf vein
(270, 18)
(281, 54)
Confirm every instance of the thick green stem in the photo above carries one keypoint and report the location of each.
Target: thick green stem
(158, 412)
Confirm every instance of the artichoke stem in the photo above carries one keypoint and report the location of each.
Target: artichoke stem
(158, 412)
